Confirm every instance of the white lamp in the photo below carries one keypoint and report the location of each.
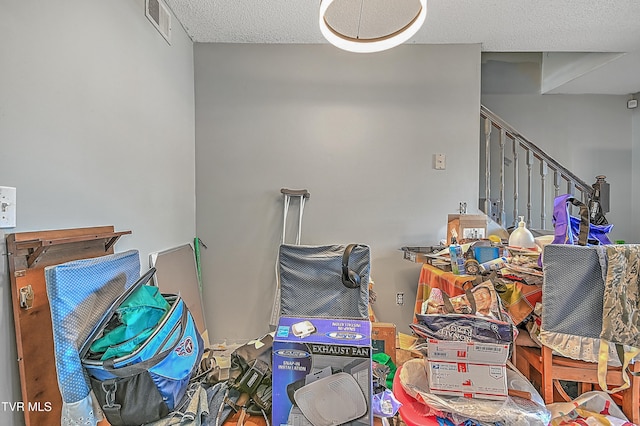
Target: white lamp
(373, 42)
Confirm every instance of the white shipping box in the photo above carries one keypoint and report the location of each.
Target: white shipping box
(475, 352)
(468, 369)
(470, 380)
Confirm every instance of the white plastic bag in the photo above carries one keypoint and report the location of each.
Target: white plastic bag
(512, 411)
(592, 408)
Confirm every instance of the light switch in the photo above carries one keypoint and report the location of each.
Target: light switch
(7, 207)
(440, 161)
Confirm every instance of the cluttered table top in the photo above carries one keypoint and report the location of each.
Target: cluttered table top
(516, 277)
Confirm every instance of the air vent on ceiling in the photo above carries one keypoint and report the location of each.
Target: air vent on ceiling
(159, 15)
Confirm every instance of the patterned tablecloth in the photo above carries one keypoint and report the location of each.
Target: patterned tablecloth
(518, 298)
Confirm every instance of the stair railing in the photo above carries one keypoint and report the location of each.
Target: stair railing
(504, 151)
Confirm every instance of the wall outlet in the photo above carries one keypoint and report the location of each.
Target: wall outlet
(7, 207)
(439, 161)
(399, 298)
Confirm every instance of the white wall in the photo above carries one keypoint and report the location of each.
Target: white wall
(635, 174)
(359, 132)
(96, 128)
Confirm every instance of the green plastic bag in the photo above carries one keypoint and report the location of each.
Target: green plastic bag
(384, 359)
(136, 317)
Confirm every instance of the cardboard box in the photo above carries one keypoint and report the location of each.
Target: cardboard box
(383, 339)
(475, 352)
(322, 369)
(468, 226)
(470, 380)
(469, 369)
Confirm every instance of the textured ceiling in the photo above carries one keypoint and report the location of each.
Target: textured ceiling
(498, 25)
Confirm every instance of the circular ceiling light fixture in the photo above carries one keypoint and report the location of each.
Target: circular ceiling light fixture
(370, 25)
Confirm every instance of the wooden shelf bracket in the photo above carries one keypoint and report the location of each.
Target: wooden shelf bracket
(38, 247)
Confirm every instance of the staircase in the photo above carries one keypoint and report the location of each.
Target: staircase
(519, 179)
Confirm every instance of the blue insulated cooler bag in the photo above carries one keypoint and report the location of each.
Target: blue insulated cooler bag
(147, 379)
